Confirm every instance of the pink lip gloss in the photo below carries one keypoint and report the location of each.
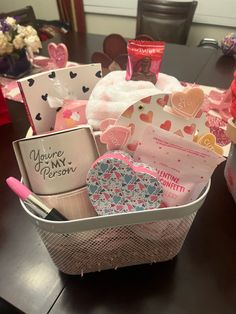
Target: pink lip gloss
(29, 198)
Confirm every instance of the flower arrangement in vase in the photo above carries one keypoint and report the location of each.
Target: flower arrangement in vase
(17, 45)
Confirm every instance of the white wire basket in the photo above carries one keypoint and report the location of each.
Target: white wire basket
(105, 242)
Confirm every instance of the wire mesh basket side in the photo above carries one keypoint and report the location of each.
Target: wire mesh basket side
(107, 248)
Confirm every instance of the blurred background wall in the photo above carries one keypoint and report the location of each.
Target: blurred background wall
(106, 24)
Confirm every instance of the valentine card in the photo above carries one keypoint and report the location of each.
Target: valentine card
(153, 111)
(40, 90)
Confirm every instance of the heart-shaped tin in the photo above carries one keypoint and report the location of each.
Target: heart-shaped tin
(117, 184)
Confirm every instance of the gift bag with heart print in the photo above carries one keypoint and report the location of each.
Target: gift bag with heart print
(44, 93)
(183, 167)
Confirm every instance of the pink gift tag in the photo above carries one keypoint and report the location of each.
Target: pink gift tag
(58, 54)
(116, 184)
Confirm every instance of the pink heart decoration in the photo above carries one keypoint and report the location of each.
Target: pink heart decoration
(123, 195)
(146, 117)
(189, 129)
(58, 54)
(115, 136)
(163, 101)
(146, 100)
(166, 125)
(188, 102)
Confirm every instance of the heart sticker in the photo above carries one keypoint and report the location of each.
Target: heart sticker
(188, 102)
(114, 196)
(58, 54)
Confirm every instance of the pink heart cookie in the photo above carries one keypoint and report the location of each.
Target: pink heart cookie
(110, 195)
(115, 136)
(188, 102)
(58, 54)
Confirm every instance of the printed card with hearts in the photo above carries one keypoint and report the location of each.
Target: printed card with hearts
(77, 81)
(149, 111)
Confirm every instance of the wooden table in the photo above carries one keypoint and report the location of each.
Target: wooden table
(201, 279)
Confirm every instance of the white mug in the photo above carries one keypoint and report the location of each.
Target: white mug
(57, 162)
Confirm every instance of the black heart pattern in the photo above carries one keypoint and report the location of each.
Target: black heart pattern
(44, 97)
(72, 74)
(85, 89)
(98, 74)
(31, 82)
(38, 117)
(52, 75)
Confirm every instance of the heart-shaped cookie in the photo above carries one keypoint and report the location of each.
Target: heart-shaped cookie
(136, 189)
(115, 136)
(58, 54)
(188, 102)
(209, 141)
